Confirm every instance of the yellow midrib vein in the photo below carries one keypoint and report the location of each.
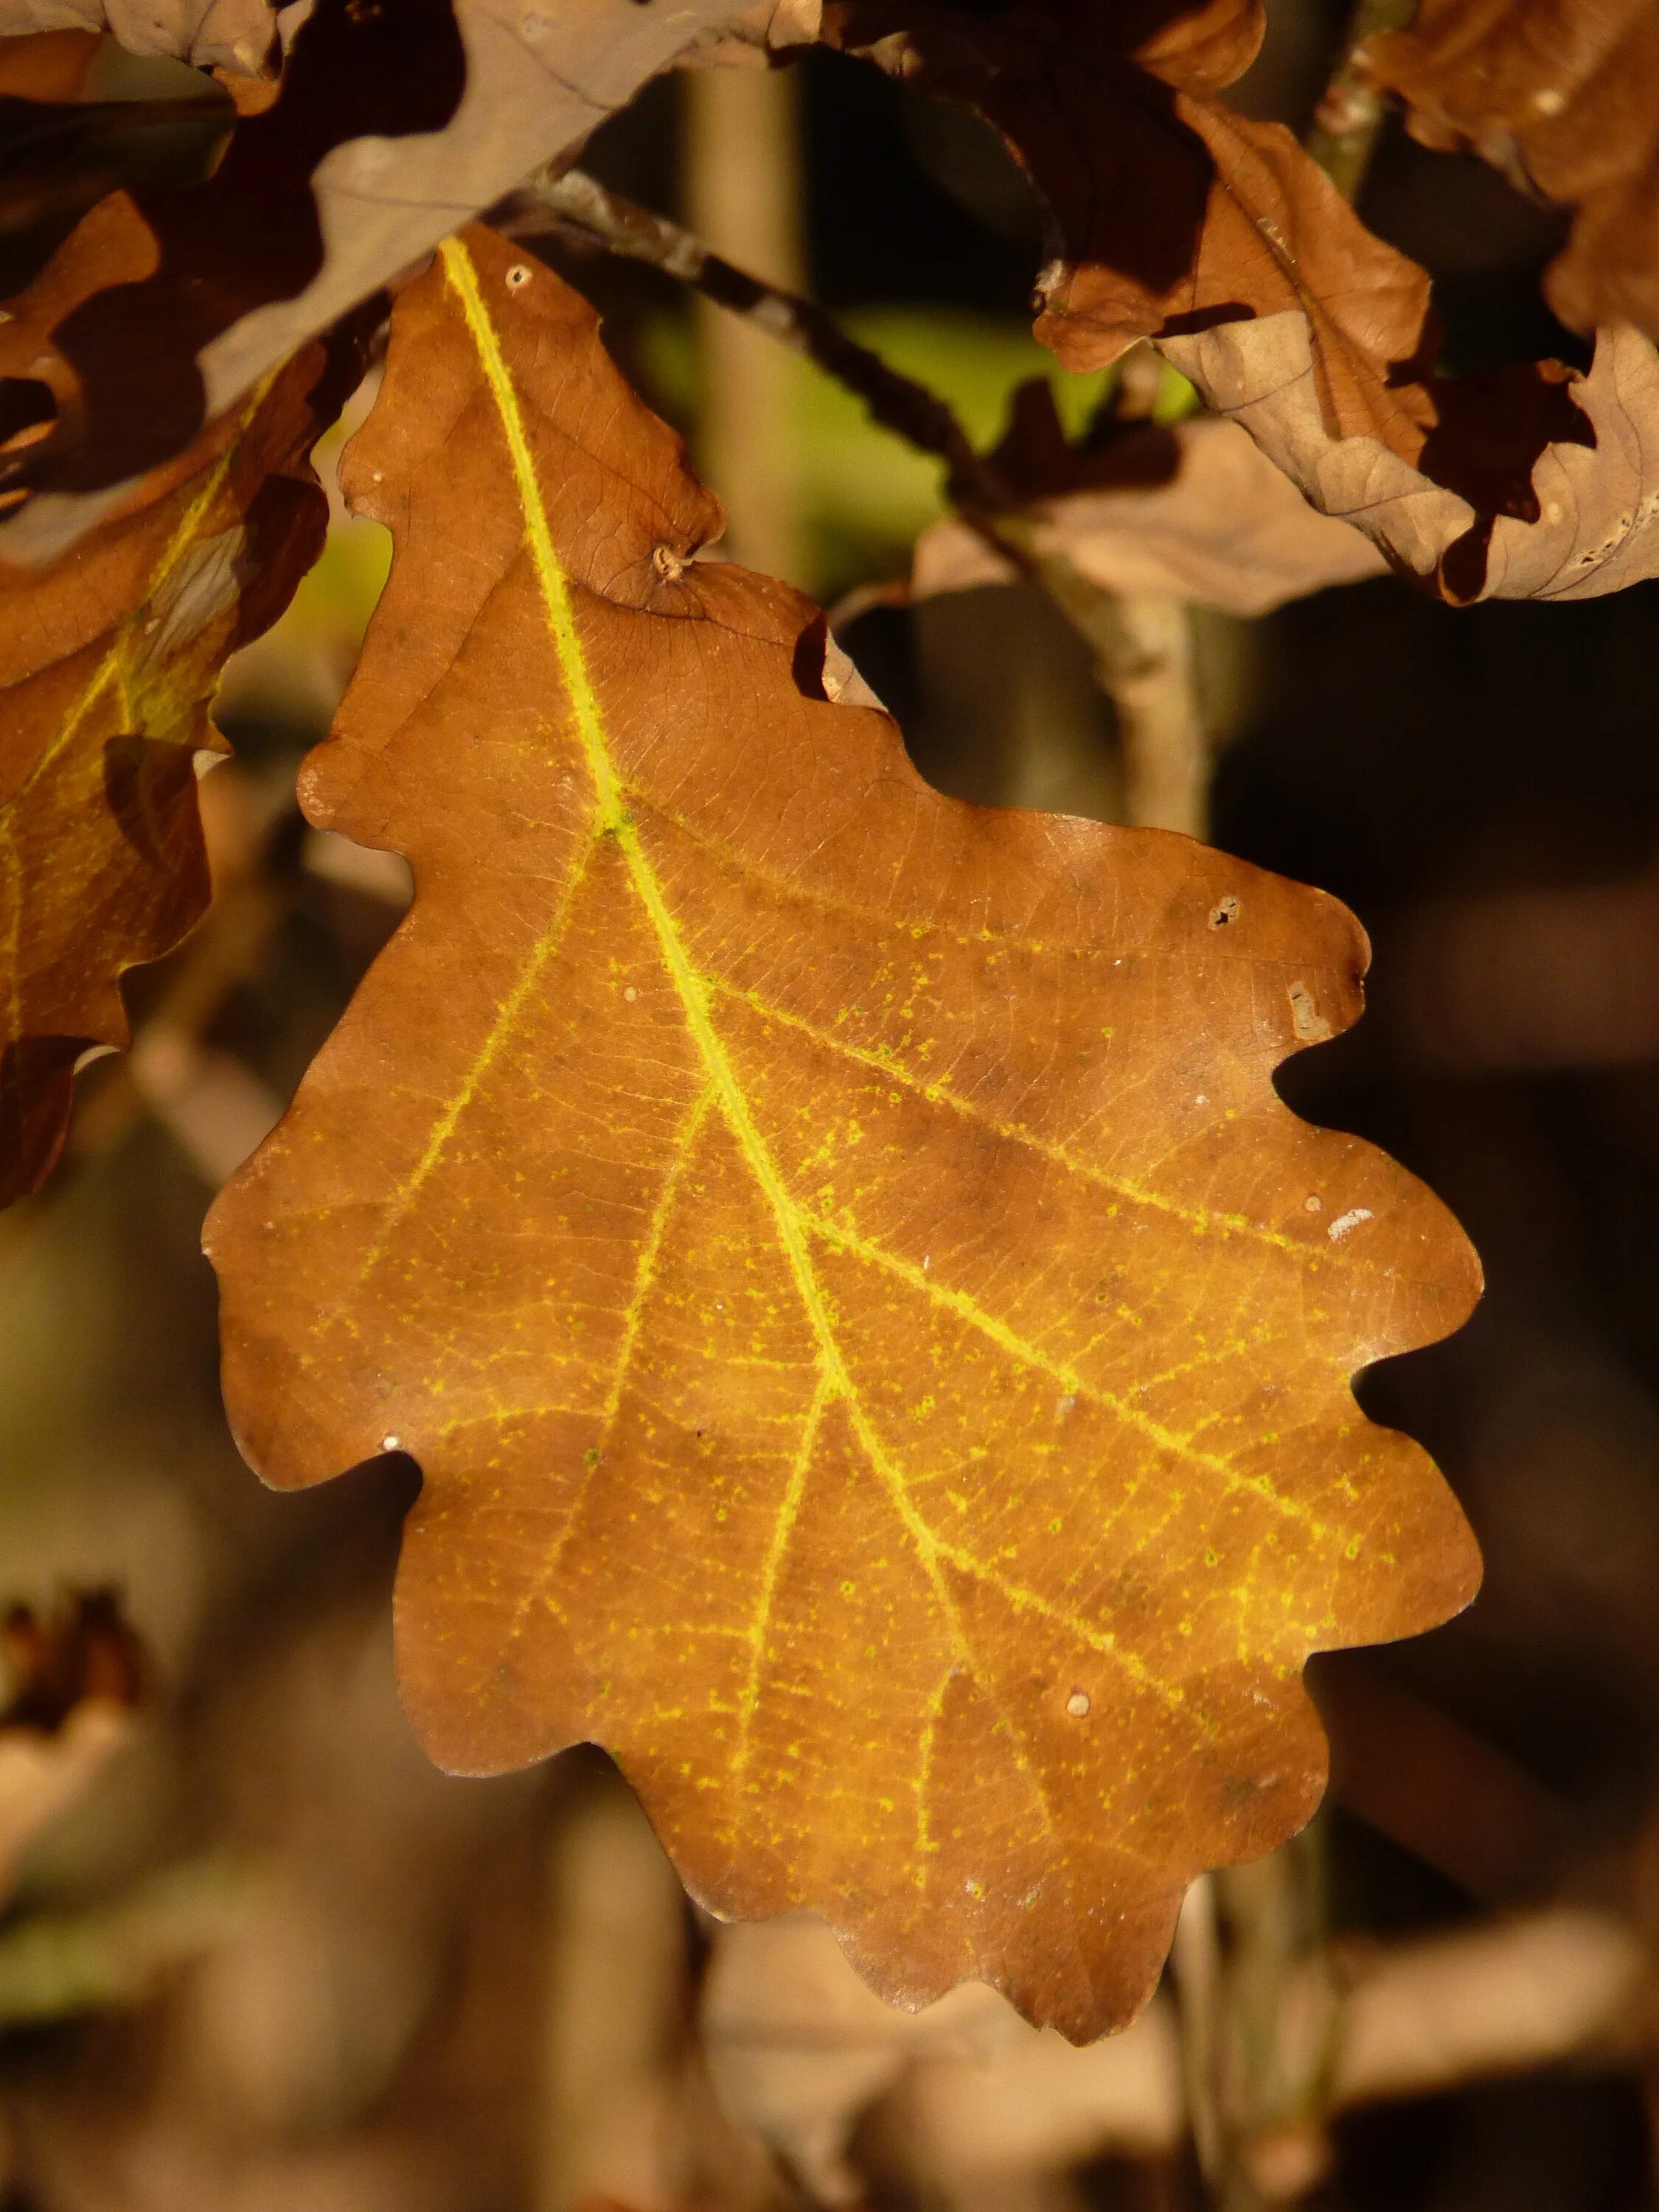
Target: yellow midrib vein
(612, 817)
(1201, 1220)
(834, 1383)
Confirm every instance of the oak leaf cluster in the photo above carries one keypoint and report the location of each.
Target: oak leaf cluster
(877, 1350)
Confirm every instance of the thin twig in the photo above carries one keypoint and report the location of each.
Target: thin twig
(897, 403)
(1349, 120)
(1141, 657)
(975, 487)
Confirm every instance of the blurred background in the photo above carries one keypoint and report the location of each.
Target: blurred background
(255, 1953)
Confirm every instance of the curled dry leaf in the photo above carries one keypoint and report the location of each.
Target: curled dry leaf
(393, 125)
(238, 36)
(877, 1346)
(1597, 528)
(1564, 96)
(109, 658)
(1221, 240)
(153, 278)
(1225, 528)
(1170, 211)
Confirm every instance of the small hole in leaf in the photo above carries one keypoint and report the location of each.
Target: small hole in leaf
(1224, 911)
(517, 276)
(1077, 1704)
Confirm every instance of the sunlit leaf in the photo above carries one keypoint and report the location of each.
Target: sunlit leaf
(877, 1348)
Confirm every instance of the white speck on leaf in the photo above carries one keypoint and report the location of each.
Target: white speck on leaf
(1345, 1223)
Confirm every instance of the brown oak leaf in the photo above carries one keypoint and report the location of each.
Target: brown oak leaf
(137, 347)
(1563, 96)
(108, 661)
(1168, 211)
(393, 123)
(876, 1346)
(1179, 220)
(1597, 496)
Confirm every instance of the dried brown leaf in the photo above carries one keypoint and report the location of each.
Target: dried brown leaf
(1170, 211)
(1221, 240)
(877, 1347)
(1225, 529)
(393, 125)
(1564, 96)
(1597, 529)
(108, 660)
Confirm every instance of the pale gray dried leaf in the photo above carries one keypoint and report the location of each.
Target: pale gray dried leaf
(540, 75)
(800, 2050)
(1229, 530)
(239, 35)
(1598, 505)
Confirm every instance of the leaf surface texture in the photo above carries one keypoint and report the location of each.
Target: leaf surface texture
(877, 1348)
